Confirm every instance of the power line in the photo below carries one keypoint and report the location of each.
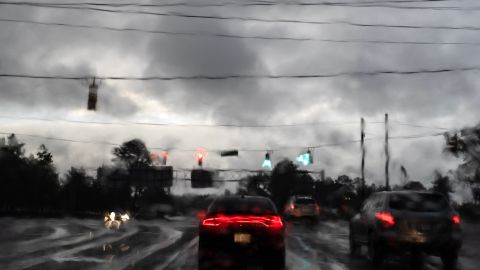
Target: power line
(221, 125)
(173, 149)
(186, 125)
(370, 4)
(418, 125)
(246, 76)
(258, 37)
(218, 17)
(230, 3)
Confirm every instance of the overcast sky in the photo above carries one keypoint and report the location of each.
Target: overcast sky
(448, 100)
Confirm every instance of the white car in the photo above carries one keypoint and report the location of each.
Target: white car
(302, 207)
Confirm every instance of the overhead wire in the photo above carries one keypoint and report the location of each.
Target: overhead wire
(418, 125)
(255, 37)
(224, 3)
(186, 125)
(246, 76)
(174, 149)
(219, 17)
(367, 4)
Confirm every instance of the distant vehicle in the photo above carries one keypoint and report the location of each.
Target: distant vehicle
(302, 207)
(407, 222)
(116, 220)
(239, 228)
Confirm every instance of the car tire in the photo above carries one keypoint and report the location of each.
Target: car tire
(204, 258)
(203, 263)
(354, 247)
(275, 260)
(375, 253)
(449, 259)
(417, 260)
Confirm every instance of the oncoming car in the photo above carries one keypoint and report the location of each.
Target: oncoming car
(302, 207)
(116, 220)
(407, 222)
(238, 229)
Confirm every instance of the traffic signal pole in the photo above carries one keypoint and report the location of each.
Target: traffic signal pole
(387, 155)
(362, 144)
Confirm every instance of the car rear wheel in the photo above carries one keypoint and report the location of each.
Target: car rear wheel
(375, 253)
(354, 247)
(275, 260)
(417, 260)
(449, 259)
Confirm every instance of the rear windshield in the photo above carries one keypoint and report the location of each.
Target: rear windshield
(417, 202)
(245, 206)
(304, 201)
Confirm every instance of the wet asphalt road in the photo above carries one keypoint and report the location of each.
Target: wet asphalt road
(172, 244)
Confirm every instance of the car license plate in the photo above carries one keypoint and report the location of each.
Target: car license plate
(424, 227)
(242, 238)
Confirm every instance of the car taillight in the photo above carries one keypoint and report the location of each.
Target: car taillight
(386, 219)
(211, 222)
(274, 222)
(456, 220)
(317, 207)
(271, 222)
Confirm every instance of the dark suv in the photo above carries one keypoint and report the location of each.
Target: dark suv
(237, 229)
(407, 221)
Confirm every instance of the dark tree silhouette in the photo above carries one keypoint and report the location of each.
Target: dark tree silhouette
(132, 154)
(12, 166)
(283, 182)
(77, 189)
(44, 183)
(413, 185)
(28, 183)
(442, 185)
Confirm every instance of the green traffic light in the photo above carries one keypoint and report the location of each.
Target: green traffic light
(305, 159)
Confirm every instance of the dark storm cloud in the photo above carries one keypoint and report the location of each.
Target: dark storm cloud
(227, 100)
(44, 51)
(422, 98)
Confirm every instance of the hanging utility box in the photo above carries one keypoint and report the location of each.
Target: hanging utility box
(201, 178)
(160, 176)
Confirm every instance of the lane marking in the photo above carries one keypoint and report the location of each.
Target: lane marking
(173, 257)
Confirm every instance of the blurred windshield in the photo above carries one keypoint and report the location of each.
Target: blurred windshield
(304, 201)
(418, 202)
(242, 207)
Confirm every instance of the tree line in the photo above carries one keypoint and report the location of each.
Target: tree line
(31, 184)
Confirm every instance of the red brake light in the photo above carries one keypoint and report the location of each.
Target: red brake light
(456, 219)
(210, 222)
(386, 218)
(275, 222)
(271, 222)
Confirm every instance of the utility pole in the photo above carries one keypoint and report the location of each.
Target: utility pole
(362, 144)
(387, 155)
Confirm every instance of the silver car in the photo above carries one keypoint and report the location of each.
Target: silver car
(302, 207)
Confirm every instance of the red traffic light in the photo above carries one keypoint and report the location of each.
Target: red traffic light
(200, 155)
(165, 158)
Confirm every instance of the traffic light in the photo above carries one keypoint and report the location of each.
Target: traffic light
(164, 157)
(201, 154)
(229, 153)
(305, 158)
(92, 96)
(267, 163)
